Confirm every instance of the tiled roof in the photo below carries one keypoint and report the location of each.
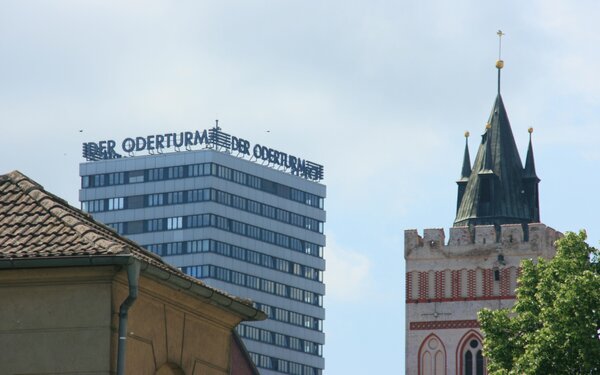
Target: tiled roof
(36, 224)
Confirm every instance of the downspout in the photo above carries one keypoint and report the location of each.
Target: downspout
(133, 275)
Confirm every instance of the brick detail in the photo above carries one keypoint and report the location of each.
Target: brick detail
(471, 287)
(505, 275)
(409, 295)
(461, 299)
(440, 284)
(443, 324)
(423, 285)
(488, 282)
(447, 285)
(456, 283)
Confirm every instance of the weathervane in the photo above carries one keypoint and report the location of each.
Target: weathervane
(499, 63)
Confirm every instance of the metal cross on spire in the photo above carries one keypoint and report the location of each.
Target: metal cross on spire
(499, 63)
(500, 35)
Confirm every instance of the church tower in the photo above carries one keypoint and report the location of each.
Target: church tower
(497, 225)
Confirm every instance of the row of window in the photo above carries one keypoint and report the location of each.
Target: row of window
(232, 251)
(253, 282)
(203, 195)
(283, 366)
(284, 341)
(220, 222)
(197, 170)
(291, 317)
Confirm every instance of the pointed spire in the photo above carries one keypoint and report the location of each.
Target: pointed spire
(466, 168)
(529, 171)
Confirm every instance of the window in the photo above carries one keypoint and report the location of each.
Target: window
(155, 174)
(154, 225)
(252, 282)
(175, 197)
(239, 177)
(99, 180)
(155, 199)
(253, 232)
(280, 340)
(175, 172)
(224, 198)
(93, 206)
(136, 176)
(295, 343)
(282, 265)
(471, 355)
(268, 286)
(174, 248)
(254, 207)
(174, 223)
(280, 290)
(283, 215)
(238, 202)
(432, 356)
(116, 203)
(269, 211)
(117, 178)
(224, 172)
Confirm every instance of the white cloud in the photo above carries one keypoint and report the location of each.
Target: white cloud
(348, 273)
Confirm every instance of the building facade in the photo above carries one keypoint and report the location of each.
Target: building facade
(80, 299)
(497, 225)
(246, 228)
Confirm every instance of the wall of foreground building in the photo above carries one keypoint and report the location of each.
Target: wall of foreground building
(448, 283)
(65, 320)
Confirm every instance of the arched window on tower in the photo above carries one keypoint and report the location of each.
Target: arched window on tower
(432, 356)
(470, 355)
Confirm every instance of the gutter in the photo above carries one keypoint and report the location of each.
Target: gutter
(213, 296)
(133, 276)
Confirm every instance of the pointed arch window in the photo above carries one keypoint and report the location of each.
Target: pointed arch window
(432, 356)
(470, 353)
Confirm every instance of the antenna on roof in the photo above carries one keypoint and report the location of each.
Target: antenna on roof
(499, 63)
(217, 124)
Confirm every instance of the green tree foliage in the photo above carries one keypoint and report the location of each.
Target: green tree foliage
(554, 326)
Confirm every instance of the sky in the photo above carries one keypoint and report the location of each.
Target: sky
(379, 92)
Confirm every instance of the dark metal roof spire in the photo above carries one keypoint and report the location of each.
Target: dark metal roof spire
(529, 171)
(466, 167)
(499, 190)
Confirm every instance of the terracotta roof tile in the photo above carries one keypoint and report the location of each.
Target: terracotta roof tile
(38, 224)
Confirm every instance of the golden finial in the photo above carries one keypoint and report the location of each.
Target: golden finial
(488, 125)
(530, 130)
(467, 134)
(500, 63)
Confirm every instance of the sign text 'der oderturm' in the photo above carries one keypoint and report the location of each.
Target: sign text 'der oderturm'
(212, 138)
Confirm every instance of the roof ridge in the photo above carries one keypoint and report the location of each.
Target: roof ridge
(59, 209)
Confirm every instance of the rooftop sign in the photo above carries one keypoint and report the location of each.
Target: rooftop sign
(207, 139)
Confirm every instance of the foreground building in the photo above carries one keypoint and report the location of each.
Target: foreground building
(80, 299)
(254, 230)
(497, 225)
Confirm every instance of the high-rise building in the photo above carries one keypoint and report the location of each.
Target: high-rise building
(497, 225)
(252, 227)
